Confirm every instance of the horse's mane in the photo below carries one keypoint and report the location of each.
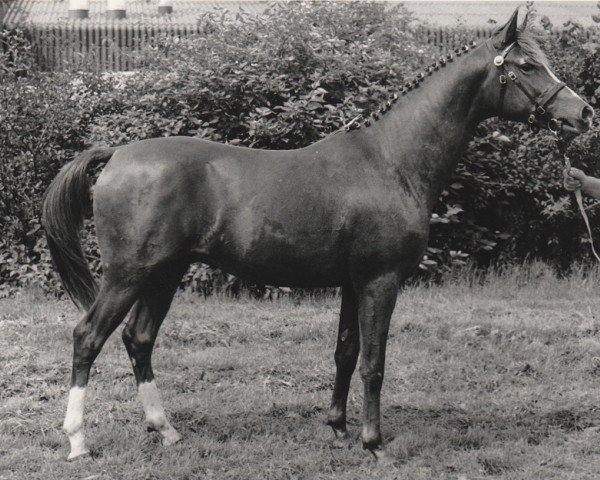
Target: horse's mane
(529, 39)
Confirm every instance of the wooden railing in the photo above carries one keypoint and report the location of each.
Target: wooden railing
(118, 46)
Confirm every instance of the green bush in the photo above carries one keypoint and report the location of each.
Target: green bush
(283, 80)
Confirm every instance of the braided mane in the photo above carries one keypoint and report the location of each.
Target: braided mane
(529, 39)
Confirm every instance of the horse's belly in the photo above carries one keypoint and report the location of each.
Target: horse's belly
(307, 275)
(305, 259)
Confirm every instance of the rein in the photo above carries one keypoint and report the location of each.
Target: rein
(538, 110)
(579, 199)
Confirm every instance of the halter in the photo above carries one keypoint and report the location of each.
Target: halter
(538, 110)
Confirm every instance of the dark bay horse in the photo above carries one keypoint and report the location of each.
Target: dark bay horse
(351, 210)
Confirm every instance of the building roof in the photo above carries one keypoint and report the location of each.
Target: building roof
(441, 13)
(478, 13)
(185, 12)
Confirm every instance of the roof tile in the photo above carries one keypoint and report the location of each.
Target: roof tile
(186, 12)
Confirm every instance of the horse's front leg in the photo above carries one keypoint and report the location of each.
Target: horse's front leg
(346, 355)
(376, 301)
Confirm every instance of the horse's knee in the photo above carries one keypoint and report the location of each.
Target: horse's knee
(85, 342)
(372, 378)
(347, 349)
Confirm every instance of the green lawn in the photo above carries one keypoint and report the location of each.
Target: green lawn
(494, 381)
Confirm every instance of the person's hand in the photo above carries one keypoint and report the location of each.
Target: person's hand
(573, 179)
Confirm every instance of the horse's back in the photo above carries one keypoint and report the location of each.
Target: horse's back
(247, 210)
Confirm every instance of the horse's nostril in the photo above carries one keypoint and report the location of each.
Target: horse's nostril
(587, 113)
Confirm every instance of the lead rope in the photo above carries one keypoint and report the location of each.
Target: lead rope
(579, 199)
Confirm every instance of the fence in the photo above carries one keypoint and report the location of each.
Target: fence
(116, 46)
(120, 46)
(449, 38)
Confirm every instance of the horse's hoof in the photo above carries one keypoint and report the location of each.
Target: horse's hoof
(342, 440)
(339, 428)
(74, 455)
(170, 437)
(384, 458)
(381, 455)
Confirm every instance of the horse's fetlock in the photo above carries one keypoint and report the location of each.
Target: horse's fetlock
(156, 421)
(336, 418)
(72, 425)
(371, 438)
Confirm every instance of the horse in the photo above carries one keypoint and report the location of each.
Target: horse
(351, 210)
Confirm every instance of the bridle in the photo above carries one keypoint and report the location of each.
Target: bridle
(538, 110)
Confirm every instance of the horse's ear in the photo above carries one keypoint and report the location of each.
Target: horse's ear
(507, 34)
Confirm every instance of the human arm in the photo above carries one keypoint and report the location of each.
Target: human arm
(575, 179)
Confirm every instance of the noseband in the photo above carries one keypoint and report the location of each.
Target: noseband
(538, 110)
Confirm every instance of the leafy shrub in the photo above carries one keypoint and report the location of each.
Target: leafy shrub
(284, 80)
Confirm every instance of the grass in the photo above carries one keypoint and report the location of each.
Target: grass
(493, 378)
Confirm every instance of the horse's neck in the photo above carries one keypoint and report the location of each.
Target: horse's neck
(424, 135)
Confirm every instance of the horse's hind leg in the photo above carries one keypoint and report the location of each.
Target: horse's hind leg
(107, 312)
(346, 355)
(139, 336)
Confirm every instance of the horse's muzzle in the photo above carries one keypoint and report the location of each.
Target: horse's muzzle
(580, 125)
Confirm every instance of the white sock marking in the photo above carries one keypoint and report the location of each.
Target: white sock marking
(155, 413)
(73, 425)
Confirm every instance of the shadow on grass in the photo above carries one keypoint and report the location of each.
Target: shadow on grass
(455, 428)
(410, 431)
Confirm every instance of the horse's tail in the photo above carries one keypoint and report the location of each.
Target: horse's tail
(65, 204)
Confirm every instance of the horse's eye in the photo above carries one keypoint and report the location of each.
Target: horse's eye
(526, 67)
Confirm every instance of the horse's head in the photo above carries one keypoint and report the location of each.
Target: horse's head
(522, 87)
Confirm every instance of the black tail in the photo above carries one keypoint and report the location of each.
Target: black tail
(65, 204)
